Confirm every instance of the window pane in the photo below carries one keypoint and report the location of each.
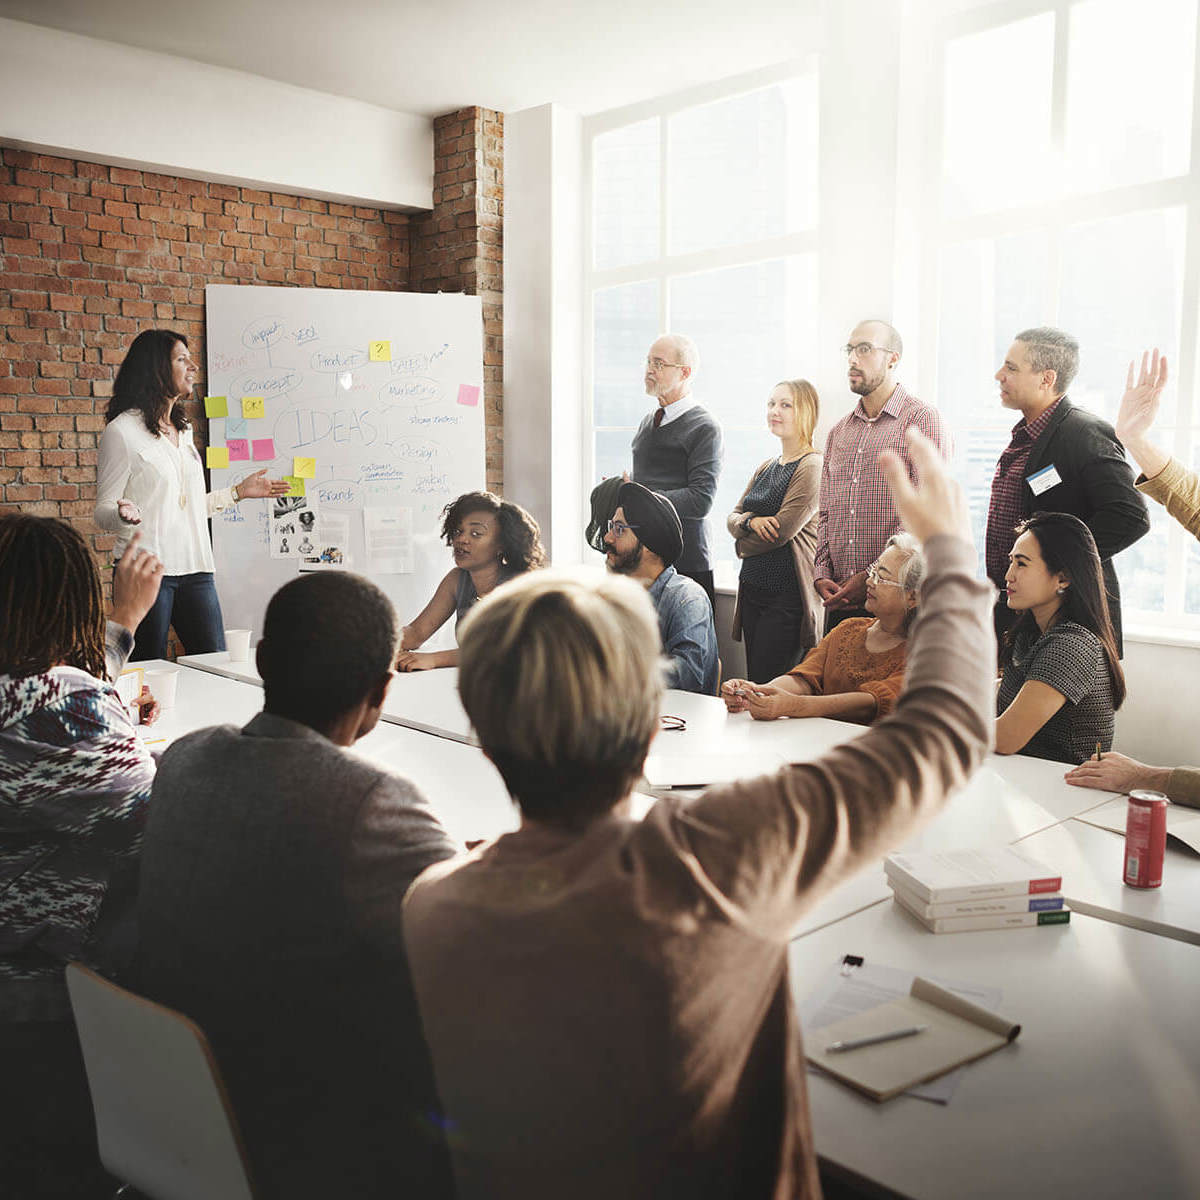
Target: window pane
(744, 168)
(996, 146)
(1142, 569)
(625, 323)
(625, 173)
(990, 290)
(1122, 287)
(1129, 92)
(612, 454)
(754, 325)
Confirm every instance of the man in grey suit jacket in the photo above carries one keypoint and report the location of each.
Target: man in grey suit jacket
(273, 872)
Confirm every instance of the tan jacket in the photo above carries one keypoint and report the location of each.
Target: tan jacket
(1178, 489)
(797, 527)
(610, 1012)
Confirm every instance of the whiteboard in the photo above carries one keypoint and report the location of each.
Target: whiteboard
(401, 432)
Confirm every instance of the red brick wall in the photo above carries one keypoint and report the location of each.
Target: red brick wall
(458, 247)
(91, 255)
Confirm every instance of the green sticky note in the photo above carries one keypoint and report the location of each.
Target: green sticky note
(216, 406)
(217, 456)
(295, 485)
(381, 351)
(304, 468)
(254, 406)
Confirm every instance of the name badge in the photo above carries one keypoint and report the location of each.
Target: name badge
(1044, 480)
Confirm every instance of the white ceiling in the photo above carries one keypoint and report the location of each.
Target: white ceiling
(434, 56)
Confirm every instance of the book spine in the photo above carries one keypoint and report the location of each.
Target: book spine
(978, 908)
(972, 891)
(1060, 916)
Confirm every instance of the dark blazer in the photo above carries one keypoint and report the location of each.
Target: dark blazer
(273, 872)
(1097, 487)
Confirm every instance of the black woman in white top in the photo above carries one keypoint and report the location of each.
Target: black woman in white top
(150, 477)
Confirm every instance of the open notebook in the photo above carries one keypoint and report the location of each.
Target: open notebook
(958, 1033)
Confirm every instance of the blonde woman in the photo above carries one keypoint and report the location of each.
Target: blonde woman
(774, 527)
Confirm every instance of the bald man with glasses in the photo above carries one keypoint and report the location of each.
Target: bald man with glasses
(856, 515)
(677, 451)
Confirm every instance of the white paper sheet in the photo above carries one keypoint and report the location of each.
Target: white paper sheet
(388, 536)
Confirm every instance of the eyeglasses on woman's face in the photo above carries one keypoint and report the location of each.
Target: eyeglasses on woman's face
(875, 577)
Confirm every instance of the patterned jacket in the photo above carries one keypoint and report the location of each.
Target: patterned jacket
(74, 786)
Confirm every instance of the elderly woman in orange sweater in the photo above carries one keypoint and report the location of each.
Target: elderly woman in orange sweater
(856, 671)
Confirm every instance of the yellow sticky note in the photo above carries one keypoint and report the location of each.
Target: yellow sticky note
(216, 406)
(381, 351)
(304, 468)
(254, 406)
(217, 456)
(295, 485)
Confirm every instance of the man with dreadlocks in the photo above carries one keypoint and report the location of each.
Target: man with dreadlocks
(74, 785)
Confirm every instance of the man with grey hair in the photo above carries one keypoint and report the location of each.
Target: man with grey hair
(1060, 459)
(677, 451)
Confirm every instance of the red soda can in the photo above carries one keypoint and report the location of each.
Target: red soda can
(1145, 839)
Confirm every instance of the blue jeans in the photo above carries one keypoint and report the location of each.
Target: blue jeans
(190, 604)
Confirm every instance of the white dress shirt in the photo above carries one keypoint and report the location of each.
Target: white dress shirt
(166, 482)
(678, 408)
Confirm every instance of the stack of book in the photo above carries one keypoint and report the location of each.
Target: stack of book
(958, 891)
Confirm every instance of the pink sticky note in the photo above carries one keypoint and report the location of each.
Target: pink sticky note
(264, 449)
(239, 449)
(468, 394)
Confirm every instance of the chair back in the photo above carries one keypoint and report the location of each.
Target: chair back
(163, 1120)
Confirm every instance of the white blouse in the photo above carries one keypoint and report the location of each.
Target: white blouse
(166, 482)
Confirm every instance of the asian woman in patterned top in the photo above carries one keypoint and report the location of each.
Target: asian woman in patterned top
(1062, 680)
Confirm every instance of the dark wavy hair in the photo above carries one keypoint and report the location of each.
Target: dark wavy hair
(520, 536)
(51, 601)
(1068, 548)
(145, 380)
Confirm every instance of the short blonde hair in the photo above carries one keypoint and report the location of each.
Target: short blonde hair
(562, 679)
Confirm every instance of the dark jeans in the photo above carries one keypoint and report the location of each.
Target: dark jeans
(705, 580)
(773, 626)
(190, 604)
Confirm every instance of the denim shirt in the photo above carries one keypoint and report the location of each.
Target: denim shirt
(689, 638)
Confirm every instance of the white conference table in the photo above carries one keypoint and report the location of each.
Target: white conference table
(423, 700)
(1091, 861)
(1099, 1096)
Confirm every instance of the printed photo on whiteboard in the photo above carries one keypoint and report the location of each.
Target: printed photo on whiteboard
(292, 519)
(387, 533)
(328, 543)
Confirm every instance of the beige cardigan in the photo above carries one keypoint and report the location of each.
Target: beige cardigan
(610, 1012)
(797, 526)
(1178, 489)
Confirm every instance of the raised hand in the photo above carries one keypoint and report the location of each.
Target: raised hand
(136, 580)
(1139, 407)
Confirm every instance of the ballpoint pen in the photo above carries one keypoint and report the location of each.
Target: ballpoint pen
(874, 1039)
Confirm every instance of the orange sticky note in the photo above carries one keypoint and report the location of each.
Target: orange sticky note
(304, 468)
(217, 456)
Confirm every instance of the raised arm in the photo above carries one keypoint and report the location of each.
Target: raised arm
(765, 849)
(1139, 407)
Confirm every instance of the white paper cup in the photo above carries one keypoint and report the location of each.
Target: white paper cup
(237, 642)
(163, 685)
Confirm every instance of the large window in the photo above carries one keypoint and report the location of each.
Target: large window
(704, 222)
(1066, 193)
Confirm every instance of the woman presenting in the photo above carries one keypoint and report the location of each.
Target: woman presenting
(150, 476)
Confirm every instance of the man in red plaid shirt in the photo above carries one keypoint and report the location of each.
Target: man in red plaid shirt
(857, 517)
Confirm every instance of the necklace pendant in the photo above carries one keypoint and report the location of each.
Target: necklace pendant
(183, 500)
